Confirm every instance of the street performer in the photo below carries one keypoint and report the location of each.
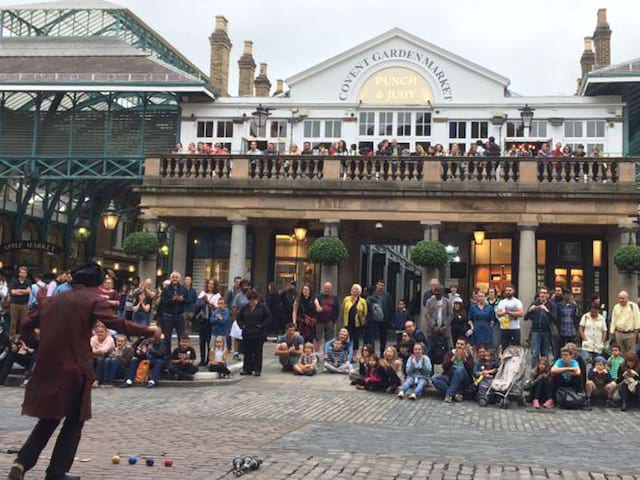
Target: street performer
(61, 383)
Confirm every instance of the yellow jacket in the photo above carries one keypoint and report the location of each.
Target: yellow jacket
(362, 310)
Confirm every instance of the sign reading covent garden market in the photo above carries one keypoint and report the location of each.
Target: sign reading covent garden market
(395, 84)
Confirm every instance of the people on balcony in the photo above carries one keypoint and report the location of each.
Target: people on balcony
(253, 149)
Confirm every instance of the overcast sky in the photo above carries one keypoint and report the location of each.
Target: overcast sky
(536, 44)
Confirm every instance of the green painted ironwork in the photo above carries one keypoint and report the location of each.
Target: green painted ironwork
(71, 168)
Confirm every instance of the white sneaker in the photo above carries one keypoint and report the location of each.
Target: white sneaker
(413, 397)
(401, 395)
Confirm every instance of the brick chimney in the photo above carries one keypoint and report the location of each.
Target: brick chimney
(247, 67)
(588, 57)
(279, 87)
(602, 40)
(220, 55)
(262, 83)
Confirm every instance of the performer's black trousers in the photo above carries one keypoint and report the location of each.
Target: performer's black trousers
(64, 450)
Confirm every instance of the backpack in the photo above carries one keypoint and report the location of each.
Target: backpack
(377, 313)
(569, 399)
(142, 372)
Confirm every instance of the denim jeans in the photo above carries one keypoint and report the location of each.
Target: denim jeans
(375, 330)
(539, 346)
(459, 380)
(112, 369)
(419, 383)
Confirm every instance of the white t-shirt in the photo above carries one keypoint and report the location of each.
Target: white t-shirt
(212, 298)
(593, 329)
(510, 305)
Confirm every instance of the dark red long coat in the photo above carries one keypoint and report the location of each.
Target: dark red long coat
(64, 366)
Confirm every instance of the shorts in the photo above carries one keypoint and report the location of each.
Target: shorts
(325, 331)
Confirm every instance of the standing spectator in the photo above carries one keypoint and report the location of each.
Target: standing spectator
(53, 284)
(190, 299)
(253, 318)
(131, 297)
(288, 297)
(107, 292)
(567, 319)
(220, 321)
(253, 149)
(593, 332)
(459, 324)
(482, 318)
(544, 150)
(328, 308)
(4, 297)
(542, 313)
(555, 327)
(274, 302)
(380, 308)
(457, 371)
(509, 312)
(20, 290)
(557, 151)
(400, 317)
(241, 299)
(141, 309)
(304, 314)
(306, 149)
(438, 316)
(232, 291)
(492, 149)
(172, 302)
(37, 285)
(434, 283)
(66, 286)
(625, 323)
(354, 313)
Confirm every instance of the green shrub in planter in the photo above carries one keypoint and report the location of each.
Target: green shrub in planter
(627, 259)
(429, 254)
(327, 251)
(141, 244)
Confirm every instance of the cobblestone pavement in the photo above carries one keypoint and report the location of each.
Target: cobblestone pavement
(320, 428)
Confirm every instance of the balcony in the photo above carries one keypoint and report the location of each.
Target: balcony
(397, 175)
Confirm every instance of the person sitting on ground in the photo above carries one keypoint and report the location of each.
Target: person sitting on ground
(336, 359)
(404, 354)
(17, 351)
(117, 362)
(575, 355)
(615, 360)
(600, 384)
(457, 368)
(392, 366)
(373, 379)
(400, 317)
(218, 356)
(347, 344)
(483, 372)
(629, 379)
(308, 361)
(154, 351)
(289, 347)
(361, 363)
(565, 373)
(183, 357)
(418, 371)
(101, 345)
(415, 335)
(541, 388)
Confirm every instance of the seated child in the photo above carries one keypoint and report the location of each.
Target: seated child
(392, 366)
(362, 362)
(541, 388)
(373, 379)
(337, 359)
(483, 372)
(403, 354)
(308, 361)
(418, 370)
(566, 373)
(599, 382)
(615, 360)
(117, 362)
(218, 357)
(182, 360)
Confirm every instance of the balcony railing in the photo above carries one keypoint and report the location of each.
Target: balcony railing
(526, 172)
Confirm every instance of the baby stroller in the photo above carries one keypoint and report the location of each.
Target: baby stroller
(510, 378)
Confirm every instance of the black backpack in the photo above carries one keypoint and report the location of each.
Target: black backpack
(569, 399)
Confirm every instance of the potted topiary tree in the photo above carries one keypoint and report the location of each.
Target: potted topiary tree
(429, 254)
(627, 259)
(141, 244)
(327, 251)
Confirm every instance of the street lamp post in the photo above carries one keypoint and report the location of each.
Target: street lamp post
(300, 233)
(526, 114)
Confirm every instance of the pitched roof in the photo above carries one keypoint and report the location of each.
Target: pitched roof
(394, 33)
(67, 47)
(630, 67)
(66, 5)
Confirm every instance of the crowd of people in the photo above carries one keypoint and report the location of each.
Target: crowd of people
(466, 342)
(480, 148)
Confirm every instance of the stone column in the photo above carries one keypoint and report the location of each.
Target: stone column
(619, 237)
(329, 273)
(238, 250)
(147, 266)
(349, 272)
(431, 233)
(526, 288)
(179, 260)
(262, 242)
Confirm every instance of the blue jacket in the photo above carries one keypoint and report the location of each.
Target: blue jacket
(220, 320)
(420, 370)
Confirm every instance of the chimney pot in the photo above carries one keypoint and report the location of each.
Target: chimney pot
(248, 47)
(263, 69)
(588, 44)
(221, 23)
(279, 87)
(602, 17)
